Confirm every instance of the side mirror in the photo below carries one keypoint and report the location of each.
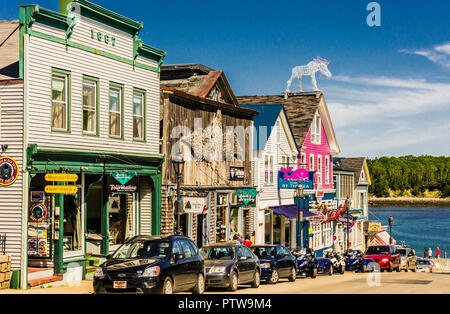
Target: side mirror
(179, 257)
(108, 256)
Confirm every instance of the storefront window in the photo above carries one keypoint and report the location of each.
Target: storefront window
(267, 227)
(234, 221)
(72, 222)
(287, 233)
(221, 217)
(276, 229)
(120, 218)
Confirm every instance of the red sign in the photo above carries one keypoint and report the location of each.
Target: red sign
(38, 212)
(9, 170)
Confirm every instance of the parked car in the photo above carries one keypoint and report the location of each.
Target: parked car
(424, 265)
(147, 264)
(276, 262)
(337, 260)
(229, 264)
(355, 261)
(386, 256)
(306, 262)
(408, 258)
(324, 266)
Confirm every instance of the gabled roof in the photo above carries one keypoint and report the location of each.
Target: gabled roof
(9, 50)
(196, 79)
(268, 115)
(357, 164)
(300, 109)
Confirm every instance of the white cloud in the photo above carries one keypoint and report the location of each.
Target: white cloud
(439, 54)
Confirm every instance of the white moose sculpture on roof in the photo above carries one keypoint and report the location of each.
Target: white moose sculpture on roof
(318, 64)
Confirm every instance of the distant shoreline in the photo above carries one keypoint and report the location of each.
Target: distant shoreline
(408, 201)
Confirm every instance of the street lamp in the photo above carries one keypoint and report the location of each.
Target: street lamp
(348, 203)
(299, 191)
(179, 167)
(391, 221)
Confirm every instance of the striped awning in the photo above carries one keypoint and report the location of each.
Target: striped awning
(382, 238)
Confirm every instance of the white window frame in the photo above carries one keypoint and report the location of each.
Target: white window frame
(319, 169)
(65, 77)
(269, 169)
(141, 116)
(278, 131)
(327, 170)
(311, 164)
(95, 84)
(316, 130)
(115, 88)
(303, 160)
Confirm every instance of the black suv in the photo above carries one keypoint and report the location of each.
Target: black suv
(147, 264)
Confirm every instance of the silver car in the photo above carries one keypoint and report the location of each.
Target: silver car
(424, 265)
(408, 258)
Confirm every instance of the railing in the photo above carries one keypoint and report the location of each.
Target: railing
(441, 265)
(3, 243)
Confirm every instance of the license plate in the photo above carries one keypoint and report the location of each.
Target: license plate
(120, 284)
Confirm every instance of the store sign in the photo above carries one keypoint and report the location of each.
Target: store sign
(351, 221)
(290, 180)
(38, 212)
(237, 173)
(61, 189)
(319, 195)
(316, 220)
(374, 226)
(61, 177)
(108, 39)
(123, 182)
(246, 197)
(194, 205)
(9, 170)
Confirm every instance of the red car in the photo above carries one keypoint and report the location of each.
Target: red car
(386, 256)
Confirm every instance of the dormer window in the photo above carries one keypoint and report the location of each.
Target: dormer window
(316, 130)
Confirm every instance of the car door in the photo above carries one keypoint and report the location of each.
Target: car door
(242, 264)
(281, 261)
(190, 261)
(177, 267)
(252, 262)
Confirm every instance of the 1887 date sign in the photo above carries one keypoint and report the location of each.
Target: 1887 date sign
(123, 182)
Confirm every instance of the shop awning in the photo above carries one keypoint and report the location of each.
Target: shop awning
(382, 238)
(290, 211)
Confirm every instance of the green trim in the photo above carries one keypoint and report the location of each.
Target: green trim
(105, 220)
(122, 99)
(72, 44)
(144, 113)
(69, 97)
(156, 204)
(97, 106)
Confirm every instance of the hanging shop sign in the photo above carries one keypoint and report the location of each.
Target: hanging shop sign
(194, 205)
(319, 195)
(237, 173)
(61, 177)
(38, 212)
(61, 189)
(246, 197)
(374, 226)
(123, 182)
(290, 179)
(351, 222)
(316, 220)
(9, 170)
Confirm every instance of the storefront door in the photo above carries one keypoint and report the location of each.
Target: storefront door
(73, 228)
(121, 218)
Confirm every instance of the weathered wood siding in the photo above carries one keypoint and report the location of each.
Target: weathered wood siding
(201, 173)
(11, 134)
(79, 62)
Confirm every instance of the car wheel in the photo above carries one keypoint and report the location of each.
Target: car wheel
(342, 270)
(293, 275)
(363, 268)
(167, 287)
(330, 272)
(200, 286)
(313, 273)
(274, 277)
(414, 269)
(398, 268)
(390, 268)
(256, 280)
(233, 282)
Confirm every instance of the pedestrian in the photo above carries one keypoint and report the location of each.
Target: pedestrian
(236, 239)
(438, 252)
(445, 254)
(425, 253)
(247, 242)
(430, 253)
(241, 237)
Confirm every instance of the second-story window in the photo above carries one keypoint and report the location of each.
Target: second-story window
(327, 170)
(115, 111)
(268, 169)
(315, 130)
(89, 106)
(138, 115)
(319, 169)
(60, 102)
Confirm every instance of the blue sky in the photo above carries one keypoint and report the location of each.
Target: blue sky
(390, 90)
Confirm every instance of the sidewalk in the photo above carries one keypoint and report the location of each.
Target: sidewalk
(83, 287)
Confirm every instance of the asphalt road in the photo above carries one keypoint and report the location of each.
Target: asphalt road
(386, 283)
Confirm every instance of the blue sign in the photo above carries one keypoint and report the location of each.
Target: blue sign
(292, 184)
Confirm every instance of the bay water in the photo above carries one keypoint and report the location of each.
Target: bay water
(418, 227)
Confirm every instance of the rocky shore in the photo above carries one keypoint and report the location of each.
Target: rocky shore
(408, 201)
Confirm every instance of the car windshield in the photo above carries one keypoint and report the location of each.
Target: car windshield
(143, 249)
(377, 250)
(218, 252)
(402, 252)
(423, 262)
(268, 252)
